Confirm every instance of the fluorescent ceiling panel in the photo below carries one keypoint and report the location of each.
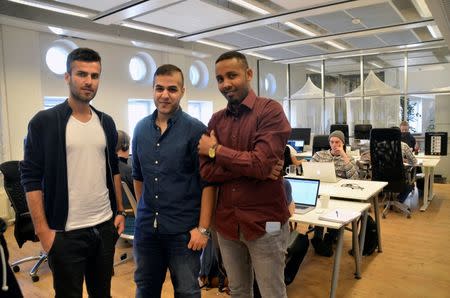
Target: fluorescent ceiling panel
(268, 34)
(191, 16)
(278, 53)
(365, 42)
(399, 37)
(376, 15)
(289, 4)
(94, 5)
(238, 40)
(306, 50)
(335, 22)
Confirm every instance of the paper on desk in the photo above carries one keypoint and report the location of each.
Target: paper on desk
(340, 215)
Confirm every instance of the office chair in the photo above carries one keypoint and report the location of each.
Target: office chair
(387, 165)
(128, 233)
(320, 142)
(24, 229)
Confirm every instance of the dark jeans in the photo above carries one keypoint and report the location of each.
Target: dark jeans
(154, 253)
(84, 253)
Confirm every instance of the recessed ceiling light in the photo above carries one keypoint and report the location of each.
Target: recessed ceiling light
(51, 7)
(56, 30)
(356, 21)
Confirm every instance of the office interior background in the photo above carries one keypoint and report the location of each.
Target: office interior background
(325, 61)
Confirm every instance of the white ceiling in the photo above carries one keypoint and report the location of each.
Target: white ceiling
(332, 26)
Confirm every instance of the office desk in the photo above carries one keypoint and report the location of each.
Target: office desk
(370, 192)
(312, 218)
(304, 154)
(428, 164)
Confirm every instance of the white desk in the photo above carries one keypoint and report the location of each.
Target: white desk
(422, 155)
(312, 218)
(304, 154)
(428, 164)
(370, 192)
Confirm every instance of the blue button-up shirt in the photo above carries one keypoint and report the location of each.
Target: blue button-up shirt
(168, 166)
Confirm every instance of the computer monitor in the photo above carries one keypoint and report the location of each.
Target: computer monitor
(299, 134)
(297, 144)
(362, 131)
(343, 128)
(436, 143)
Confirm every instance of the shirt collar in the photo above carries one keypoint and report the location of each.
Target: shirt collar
(247, 104)
(172, 119)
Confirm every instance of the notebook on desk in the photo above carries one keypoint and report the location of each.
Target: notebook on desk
(324, 171)
(304, 193)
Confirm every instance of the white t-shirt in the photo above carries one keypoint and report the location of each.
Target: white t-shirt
(89, 202)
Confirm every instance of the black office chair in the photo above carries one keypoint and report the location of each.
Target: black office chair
(320, 142)
(387, 165)
(24, 229)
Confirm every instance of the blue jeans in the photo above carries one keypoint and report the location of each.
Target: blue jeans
(154, 253)
(86, 253)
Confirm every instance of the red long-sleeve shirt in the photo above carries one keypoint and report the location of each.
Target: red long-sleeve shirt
(253, 141)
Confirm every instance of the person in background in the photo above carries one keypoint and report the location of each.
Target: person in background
(345, 165)
(71, 177)
(174, 205)
(123, 152)
(407, 137)
(243, 154)
(346, 168)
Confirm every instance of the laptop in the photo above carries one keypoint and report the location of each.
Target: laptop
(297, 145)
(324, 171)
(304, 193)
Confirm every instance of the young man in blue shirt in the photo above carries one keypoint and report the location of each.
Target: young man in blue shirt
(174, 205)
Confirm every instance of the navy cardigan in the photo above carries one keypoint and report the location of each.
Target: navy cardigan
(45, 166)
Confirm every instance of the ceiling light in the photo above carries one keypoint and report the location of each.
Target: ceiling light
(374, 64)
(149, 29)
(56, 30)
(215, 44)
(300, 29)
(434, 31)
(422, 8)
(356, 21)
(335, 44)
(260, 56)
(251, 6)
(51, 7)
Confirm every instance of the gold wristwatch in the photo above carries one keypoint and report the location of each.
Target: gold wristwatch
(212, 151)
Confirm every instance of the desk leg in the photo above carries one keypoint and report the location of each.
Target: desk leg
(362, 237)
(431, 193)
(337, 262)
(356, 248)
(377, 220)
(426, 187)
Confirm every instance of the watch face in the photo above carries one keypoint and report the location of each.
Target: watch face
(212, 152)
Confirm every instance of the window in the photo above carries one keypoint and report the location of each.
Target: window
(138, 109)
(200, 109)
(198, 74)
(142, 67)
(51, 101)
(270, 84)
(56, 55)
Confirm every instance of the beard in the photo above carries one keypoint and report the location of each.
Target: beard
(82, 98)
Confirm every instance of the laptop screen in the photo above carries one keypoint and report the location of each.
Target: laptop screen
(297, 144)
(304, 191)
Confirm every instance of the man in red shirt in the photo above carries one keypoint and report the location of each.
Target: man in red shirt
(243, 154)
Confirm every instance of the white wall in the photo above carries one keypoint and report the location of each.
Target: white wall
(28, 80)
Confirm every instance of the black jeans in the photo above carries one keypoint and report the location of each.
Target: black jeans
(84, 253)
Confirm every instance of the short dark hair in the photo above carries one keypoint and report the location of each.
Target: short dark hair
(123, 141)
(233, 55)
(168, 69)
(82, 54)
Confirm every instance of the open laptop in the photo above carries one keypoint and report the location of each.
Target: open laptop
(324, 171)
(304, 193)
